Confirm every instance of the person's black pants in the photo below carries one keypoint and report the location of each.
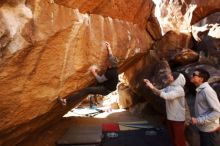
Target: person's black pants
(89, 90)
(209, 138)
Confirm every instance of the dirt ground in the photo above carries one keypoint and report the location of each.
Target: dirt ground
(49, 136)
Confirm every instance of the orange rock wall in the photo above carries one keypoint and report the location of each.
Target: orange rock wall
(46, 50)
(180, 15)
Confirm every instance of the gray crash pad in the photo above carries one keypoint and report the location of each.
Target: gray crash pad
(81, 135)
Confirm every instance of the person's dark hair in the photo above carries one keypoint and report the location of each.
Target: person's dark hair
(203, 74)
(113, 61)
(175, 75)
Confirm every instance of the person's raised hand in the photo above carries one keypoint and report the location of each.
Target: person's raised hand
(108, 46)
(93, 68)
(148, 83)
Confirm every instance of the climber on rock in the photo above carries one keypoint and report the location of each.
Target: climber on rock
(106, 82)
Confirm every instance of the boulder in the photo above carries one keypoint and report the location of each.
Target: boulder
(175, 48)
(47, 50)
(180, 15)
(139, 12)
(132, 11)
(207, 35)
(125, 96)
(202, 8)
(156, 71)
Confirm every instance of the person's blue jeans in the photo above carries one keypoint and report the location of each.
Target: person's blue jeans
(89, 90)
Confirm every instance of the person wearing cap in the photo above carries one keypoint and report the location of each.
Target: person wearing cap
(174, 96)
(207, 109)
(106, 82)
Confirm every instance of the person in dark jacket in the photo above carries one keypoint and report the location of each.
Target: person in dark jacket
(106, 82)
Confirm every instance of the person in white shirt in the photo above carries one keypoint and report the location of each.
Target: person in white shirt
(207, 109)
(174, 96)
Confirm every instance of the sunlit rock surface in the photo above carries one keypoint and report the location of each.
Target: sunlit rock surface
(47, 46)
(207, 35)
(203, 8)
(13, 20)
(180, 15)
(133, 11)
(46, 50)
(176, 48)
(126, 96)
(139, 12)
(172, 42)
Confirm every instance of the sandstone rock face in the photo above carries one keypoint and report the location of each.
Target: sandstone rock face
(47, 46)
(207, 35)
(153, 26)
(140, 12)
(171, 16)
(180, 15)
(204, 8)
(133, 11)
(173, 41)
(13, 20)
(125, 96)
(46, 50)
(184, 57)
(175, 47)
(155, 70)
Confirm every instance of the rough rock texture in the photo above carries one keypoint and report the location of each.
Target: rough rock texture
(207, 35)
(176, 48)
(13, 19)
(180, 15)
(172, 44)
(125, 96)
(133, 11)
(154, 69)
(153, 26)
(47, 46)
(171, 16)
(204, 8)
(140, 12)
(46, 50)
(184, 57)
